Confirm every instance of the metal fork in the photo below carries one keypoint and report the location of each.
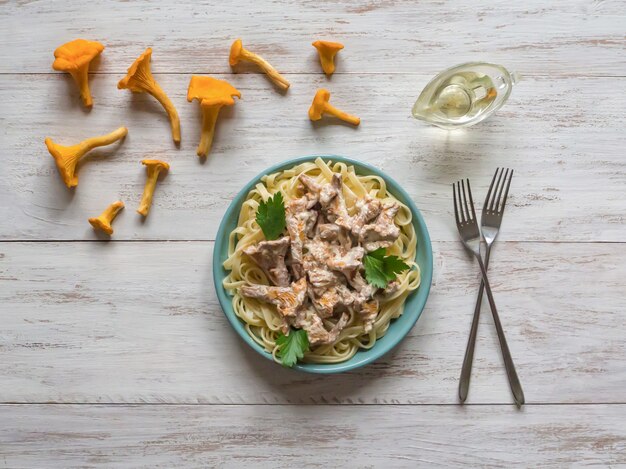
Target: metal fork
(470, 235)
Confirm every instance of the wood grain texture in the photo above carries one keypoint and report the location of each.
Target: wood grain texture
(563, 137)
(139, 322)
(561, 37)
(312, 436)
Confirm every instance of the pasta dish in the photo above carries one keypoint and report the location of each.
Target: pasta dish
(322, 250)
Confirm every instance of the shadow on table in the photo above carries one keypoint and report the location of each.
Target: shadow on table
(298, 387)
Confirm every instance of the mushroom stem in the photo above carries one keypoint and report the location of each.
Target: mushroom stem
(267, 68)
(103, 140)
(172, 113)
(344, 116)
(81, 77)
(209, 119)
(103, 222)
(148, 193)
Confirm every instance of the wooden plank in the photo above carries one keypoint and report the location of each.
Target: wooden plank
(312, 436)
(564, 137)
(139, 322)
(560, 37)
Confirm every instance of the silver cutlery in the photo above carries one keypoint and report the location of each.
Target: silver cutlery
(467, 225)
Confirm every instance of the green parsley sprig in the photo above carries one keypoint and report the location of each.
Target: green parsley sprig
(271, 216)
(381, 269)
(291, 347)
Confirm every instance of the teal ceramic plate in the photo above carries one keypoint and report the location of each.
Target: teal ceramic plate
(398, 328)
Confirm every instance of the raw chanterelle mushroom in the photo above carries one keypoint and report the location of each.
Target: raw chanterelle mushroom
(139, 79)
(66, 158)
(74, 58)
(327, 51)
(321, 106)
(238, 53)
(103, 222)
(153, 168)
(212, 95)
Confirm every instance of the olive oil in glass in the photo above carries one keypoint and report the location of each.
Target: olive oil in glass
(464, 95)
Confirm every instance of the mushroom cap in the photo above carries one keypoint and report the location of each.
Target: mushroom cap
(65, 161)
(139, 76)
(211, 91)
(157, 165)
(100, 224)
(235, 52)
(54, 148)
(319, 102)
(328, 47)
(76, 54)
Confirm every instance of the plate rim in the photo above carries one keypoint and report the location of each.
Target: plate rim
(379, 349)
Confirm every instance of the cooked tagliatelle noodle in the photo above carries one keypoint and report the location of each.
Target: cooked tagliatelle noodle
(262, 321)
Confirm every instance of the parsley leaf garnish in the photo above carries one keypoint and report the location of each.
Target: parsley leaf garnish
(271, 216)
(291, 347)
(381, 269)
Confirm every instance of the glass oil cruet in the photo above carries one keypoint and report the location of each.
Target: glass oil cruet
(464, 95)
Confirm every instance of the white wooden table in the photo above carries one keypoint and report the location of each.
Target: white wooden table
(117, 353)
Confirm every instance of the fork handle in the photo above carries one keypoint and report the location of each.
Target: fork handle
(466, 370)
(516, 386)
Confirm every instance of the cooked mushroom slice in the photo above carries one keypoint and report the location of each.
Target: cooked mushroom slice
(310, 184)
(369, 208)
(327, 301)
(270, 257)
(318, 252)
(286, 299)
(300, 221)
(383, 232)
(328, 231)
(333, 203)
(369, 313)
(321, 106)
(351, 260)
(321, 277)
(308, 320)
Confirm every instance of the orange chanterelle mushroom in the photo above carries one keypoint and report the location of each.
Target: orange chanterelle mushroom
(139, 79)
(212, 95)
(153, 169)
(327, 51)
(74, 58)
(66, 158)
(238, 54)
(321, 106)
(104, 220)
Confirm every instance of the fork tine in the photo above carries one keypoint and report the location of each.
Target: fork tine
(493, 203)
(456, 210)
(469, 191)
(490, 189)
(462, 218)
(500, 189)
(467, 213)
(506, 192)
